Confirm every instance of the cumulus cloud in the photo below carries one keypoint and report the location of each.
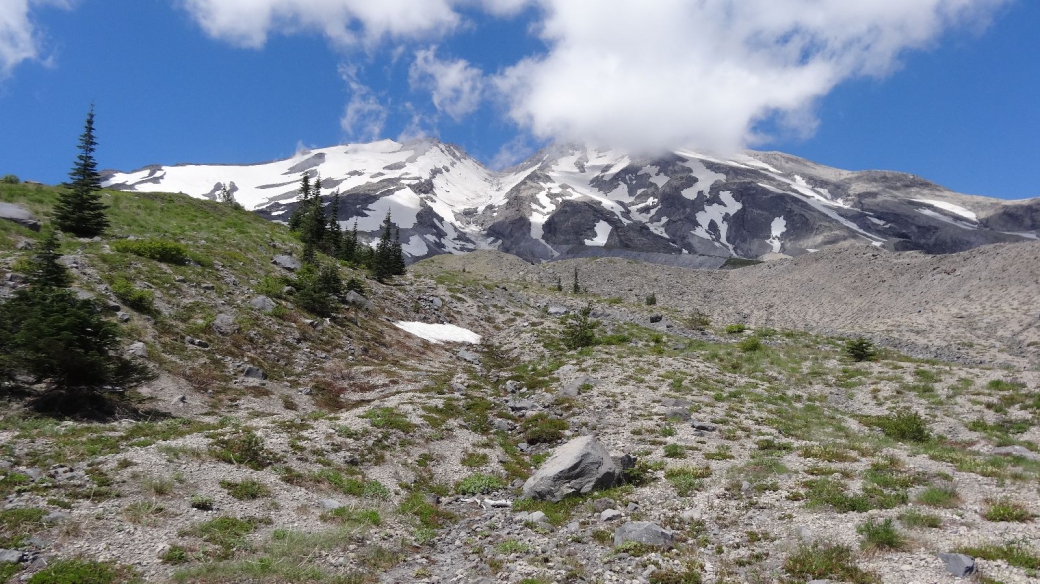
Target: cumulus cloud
(671, 73)
(642, 75)
(364, 115)
(455, 86)
(19, 38)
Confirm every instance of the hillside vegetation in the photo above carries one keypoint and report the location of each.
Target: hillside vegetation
(272, 445)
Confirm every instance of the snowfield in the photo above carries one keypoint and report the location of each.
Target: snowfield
(440, 333)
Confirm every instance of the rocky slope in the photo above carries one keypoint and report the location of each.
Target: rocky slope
(681, 208)
(370, 455)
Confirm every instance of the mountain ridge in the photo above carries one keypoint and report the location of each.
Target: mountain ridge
(569, 199)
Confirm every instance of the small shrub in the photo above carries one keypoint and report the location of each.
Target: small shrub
(860, 349)
(202, 502)
(512, 546)
(880, 535)
(158, 485)
(905, 425)
(827, 562)
(154, 249)
(651, 300)
(674, 451)
(227, 533)
(388, 418)
(543, 429)
(939, 496)
(689, 575)
(915, 518)
(174, 556)
(750, 345)
(687, 479)
(475, 459)
(246, 490)
(77, 571)
(1006, 510)
(697, 321)
(735, 329)
(350, 515)
(10, 179)
(1014, 553)
(244, 447)
(479, 484)
(136, 298)
(579, 330)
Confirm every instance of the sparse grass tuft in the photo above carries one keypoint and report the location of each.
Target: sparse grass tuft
(907, 426)
(914, 518)
(1006, 510)
(687, 479)
(1014, 553)
(388, 418)
(79, 571)
(880, 535)
(479, 484)
(827, 562)
(939, 496)
(543, 429)
(246, 490)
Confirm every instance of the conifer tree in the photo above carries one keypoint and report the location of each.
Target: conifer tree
(79, 209)
(335, 233)
(383, 261)
(397, 266)
(47, 272)
(576, 288)
(348, 250)
(296, 219)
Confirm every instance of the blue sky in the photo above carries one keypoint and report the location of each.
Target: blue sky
(195, 81)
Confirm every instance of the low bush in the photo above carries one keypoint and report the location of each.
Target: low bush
(860, 349)
(735, 329)
(78, 571)
(479, 484)
(1006, 510)
(907, 426)
(159, 250)
(543, 429)
(246, 490)
(136, 298)
(880, 535)
(827, 562)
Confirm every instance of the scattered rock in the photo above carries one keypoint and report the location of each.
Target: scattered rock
(225, 325)
(703, 426)
(330, 504)
(11, 556)
(557, 310)
(574, 388)
(286, 262)
(959, 565)
(538, 517)
(656, 318)
(691, 515)
(609, 515)
(263, 304)
(354, 299)
(122, 316)
(679, 414)
(467, 355)
(55, 517)
(253, 372)
(602, 504)
(577, 467)
(643, 532)
(196, 342)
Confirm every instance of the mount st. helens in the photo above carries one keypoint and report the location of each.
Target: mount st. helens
(683, 207)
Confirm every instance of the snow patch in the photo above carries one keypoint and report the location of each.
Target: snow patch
(705, 179)
(602, 233)
(717, 213)
(945, 219)
(439, 333)
(778, 228)
(950, 207)
(403, 205)
(416, 247)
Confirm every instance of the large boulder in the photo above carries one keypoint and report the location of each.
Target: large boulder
(225, 325)
(263, 304)
(19, 215)
(643, 532)
(286, 262)
(959, 565)
(576, 468)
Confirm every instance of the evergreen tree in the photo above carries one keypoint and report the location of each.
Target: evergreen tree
(348, 250)
(296, 219)
(383, 265)
(579, 330)
(47, 272)
(397, 265)
(334, 234)
(576, 288)
(79, 209)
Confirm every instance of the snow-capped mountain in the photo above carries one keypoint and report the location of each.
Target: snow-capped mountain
(684, 207)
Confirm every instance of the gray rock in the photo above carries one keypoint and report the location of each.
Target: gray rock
(959, 565)
(286, 262)
(263, 304)
(602, 504)
(609, 515)
(502, 425)
(678, 414)
(632, 507)
(656, 318)
(354, 299)
(196, 342)
(467, 355)
(521, 517)
(225, 325)
(574, 388)
(703, 426)
(624, 461)
(557, 310)
(122, 316)
(19, 215)
(670, 402)
(580, 466)
(1016, 450)
(521, 405)
(55, 517)
(538, 517)
(11, 556)
(330, 504)
(512, 386)
(137, 349)
(691, 515)
(253, 372)
(643, 532)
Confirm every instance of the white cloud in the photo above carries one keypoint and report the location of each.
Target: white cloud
(364, 116)
(19, 38)
(455, 86)
(512, 153)
(643, 75)
(669, 73)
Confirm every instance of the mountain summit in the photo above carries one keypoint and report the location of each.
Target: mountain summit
(683, 207)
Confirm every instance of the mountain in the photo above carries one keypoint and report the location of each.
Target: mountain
(683, 207)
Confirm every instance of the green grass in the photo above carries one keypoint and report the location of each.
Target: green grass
(388, 418)
(226, 533)
(16, 525)
(543, 429)
(512, 546)
(246, 490)
(939, 496)
(687, 479)
(350, 515)
(1007, 510)
(915, 518)
(906, 426)
(479, 484)
(78, 571)
(827, 562)
(475, 459)
(1014, 553)
(827, 492)
(880, 535)
(674, 451)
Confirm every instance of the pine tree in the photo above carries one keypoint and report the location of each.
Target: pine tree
(383, 261)
(397, 264)
(348, 250)
(47, 272)
(576, 288)
(79, 209)
(296, 219)
(334, 233)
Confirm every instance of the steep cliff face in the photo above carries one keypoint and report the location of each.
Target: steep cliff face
(571, 201)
